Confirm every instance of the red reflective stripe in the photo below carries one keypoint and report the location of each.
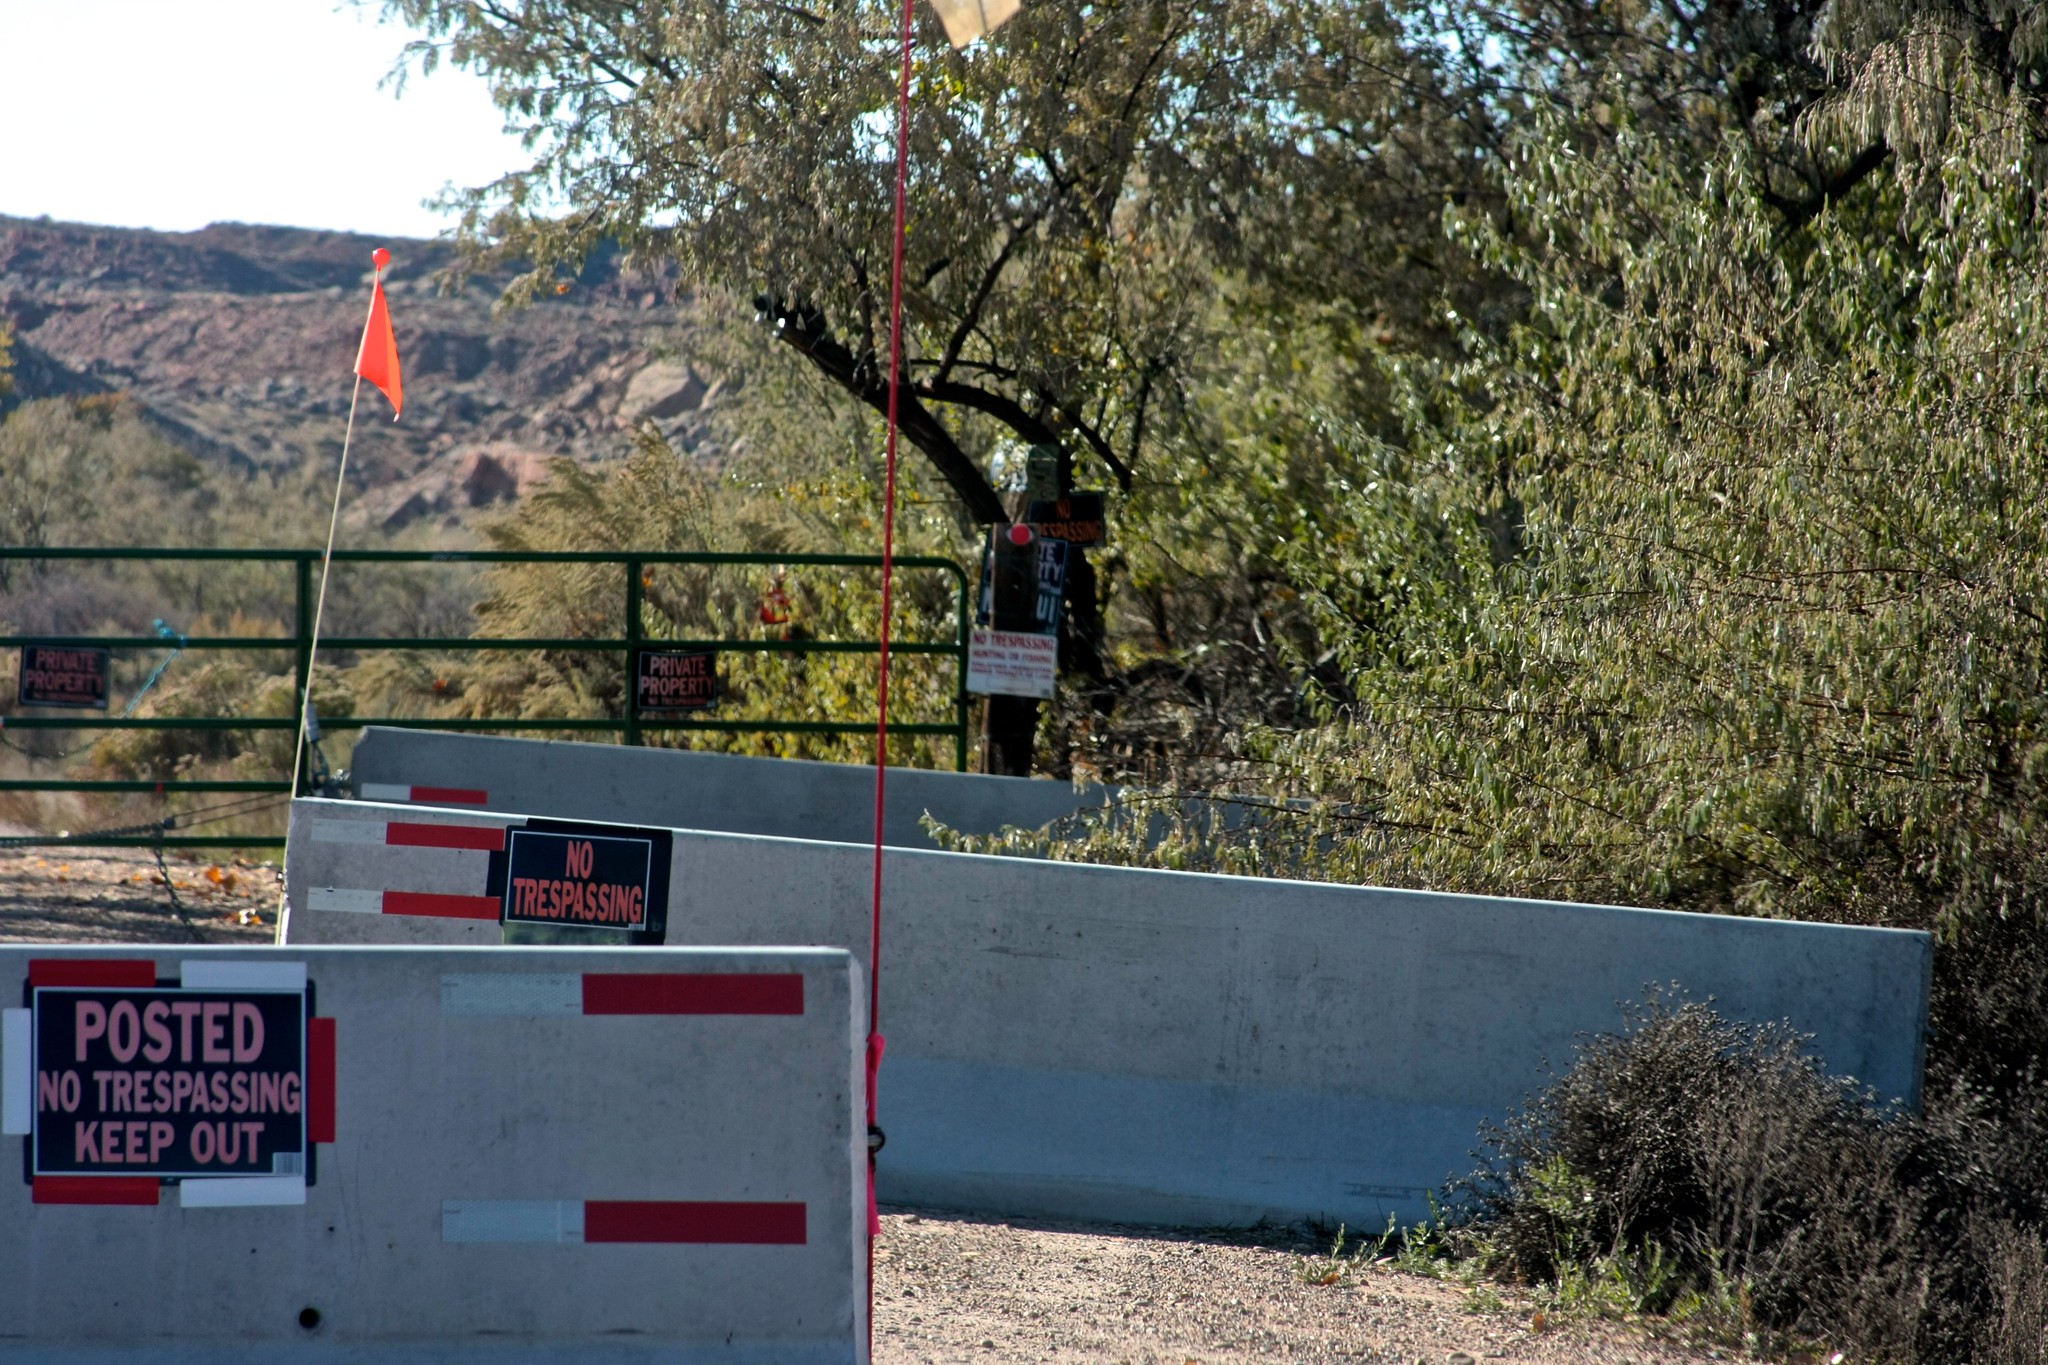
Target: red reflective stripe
(85, 971)
(434, 906)
(403, 835)
(320, 1080)
(650, 1220)
(139, 1190)
(693, 993)
(450, 796)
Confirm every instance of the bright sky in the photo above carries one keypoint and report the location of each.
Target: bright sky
(174, 114)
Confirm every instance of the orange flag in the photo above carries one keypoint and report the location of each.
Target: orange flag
(377, 361)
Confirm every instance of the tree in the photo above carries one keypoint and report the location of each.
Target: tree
(1773, 640)
(1908, 72)
(1693, 72)
(1768, 635)
(1077, 185)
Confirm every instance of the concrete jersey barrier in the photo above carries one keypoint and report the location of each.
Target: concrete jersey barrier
(1175, 1048)
(410, 1155)
(681, 789)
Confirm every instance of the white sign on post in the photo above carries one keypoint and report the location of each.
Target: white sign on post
(1012, 663)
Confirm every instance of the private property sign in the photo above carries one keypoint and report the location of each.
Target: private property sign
(220, 1081)
(53, 675)
(672, 680)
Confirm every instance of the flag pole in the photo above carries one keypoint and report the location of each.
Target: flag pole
(319, 608)
(320, 599)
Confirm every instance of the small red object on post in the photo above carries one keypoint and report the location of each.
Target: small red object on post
(776, 606)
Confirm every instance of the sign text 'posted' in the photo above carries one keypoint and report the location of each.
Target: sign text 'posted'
(169, 1082)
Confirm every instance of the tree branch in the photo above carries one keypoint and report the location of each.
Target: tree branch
(1799, 212)
(1022, 420)
(804, 330)
(1080, 427)
(970, 316)
(1000, 406)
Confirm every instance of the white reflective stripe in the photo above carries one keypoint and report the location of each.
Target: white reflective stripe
(512, 1220)
(510, 993)
(344, 898)
(385, 791)
(17, 1072)
(348, 831)
(242, 1192)
(242, 975)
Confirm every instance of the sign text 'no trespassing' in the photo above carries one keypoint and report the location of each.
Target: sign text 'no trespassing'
(169, 1082)
(578, 879)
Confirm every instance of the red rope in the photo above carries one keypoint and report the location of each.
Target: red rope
(874, 1042)
(889, 502)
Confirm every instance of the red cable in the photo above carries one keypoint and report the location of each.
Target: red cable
(889, 506)
(874, 1041)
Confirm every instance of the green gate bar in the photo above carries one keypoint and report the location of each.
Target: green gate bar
(630, 727)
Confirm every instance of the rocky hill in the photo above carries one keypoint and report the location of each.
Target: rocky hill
(240, 342)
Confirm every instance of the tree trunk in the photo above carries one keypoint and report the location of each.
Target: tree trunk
(1081, 622)
(1009, 735)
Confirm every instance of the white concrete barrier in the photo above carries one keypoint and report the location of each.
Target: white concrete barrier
(1176, 1048)
(409, 1155)
(681, 789)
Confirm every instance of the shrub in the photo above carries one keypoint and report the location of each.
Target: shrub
(1722, 1154)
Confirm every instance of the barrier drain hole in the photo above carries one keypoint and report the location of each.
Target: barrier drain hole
(309, 1318)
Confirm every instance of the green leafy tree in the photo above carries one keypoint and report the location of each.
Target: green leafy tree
(97, 471)
(1716, 583)
(1077, 184)
(1770, 640)
(1753, 622)
(1909, 72)
(1693, 74)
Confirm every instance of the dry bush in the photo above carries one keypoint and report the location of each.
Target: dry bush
(2018, 1333)
(1724, 1151)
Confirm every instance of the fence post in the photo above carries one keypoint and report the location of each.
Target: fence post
(964, 636)
(633, 589)
(302, 651)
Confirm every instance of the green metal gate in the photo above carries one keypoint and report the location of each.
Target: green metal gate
(630, 726)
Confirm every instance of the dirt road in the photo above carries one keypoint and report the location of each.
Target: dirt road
(96, 895)
(952, 1289)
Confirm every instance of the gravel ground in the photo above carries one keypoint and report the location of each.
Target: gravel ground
(955, 1289)
(118, 895)
(950, 1288)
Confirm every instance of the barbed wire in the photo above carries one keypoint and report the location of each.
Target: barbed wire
(205, 815)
